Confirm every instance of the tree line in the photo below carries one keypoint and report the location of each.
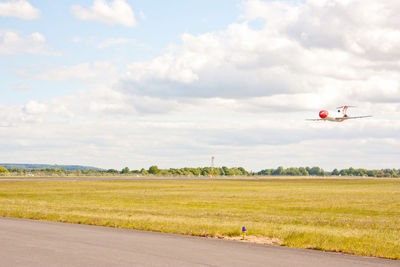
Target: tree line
(316, 171)
(201, 171)
(206, 171)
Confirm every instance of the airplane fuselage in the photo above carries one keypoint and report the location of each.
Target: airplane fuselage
(339, 119)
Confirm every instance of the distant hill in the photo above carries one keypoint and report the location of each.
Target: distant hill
(47, 166)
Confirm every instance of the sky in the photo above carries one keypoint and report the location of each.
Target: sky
(171, 83)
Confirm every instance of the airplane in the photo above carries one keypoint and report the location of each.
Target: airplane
(324, 115)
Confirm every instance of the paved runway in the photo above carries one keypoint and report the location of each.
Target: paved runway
(39, 243)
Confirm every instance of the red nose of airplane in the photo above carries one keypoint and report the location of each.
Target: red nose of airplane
(323, 114)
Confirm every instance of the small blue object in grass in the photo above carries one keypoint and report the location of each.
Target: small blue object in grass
(243, 229)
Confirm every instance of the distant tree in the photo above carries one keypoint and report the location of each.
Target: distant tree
(224, 170)
(335, 172)
(316, 171)
(266, 172)
(229, 171)
(361, 172)
(217, 171)
(303, 171)
(112, 171)
(125, 170)
(154, 170)
(206, 171)
(3, 170)
(242, 171)
(279, 171)
(195, 171)
(174, 171)
(143, 171)
(292, 171)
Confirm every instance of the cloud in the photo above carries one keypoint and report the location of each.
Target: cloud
(34, 107)
(20, 9)
(117, 12)
(259, 142)
(239, 62)
(365, 28)
(21, 87)
(11, 43)
(100, 70)
(333, 49)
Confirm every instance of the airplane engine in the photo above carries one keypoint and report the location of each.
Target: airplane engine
(323, 114)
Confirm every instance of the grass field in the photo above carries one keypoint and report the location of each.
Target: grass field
(358, 216)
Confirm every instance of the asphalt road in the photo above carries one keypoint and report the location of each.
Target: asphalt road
(39, 243)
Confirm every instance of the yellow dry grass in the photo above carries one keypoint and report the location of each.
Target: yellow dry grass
(358, 216)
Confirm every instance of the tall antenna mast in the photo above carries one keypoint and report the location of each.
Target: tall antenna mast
(212, 166)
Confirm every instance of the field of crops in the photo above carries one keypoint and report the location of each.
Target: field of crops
(359, 216)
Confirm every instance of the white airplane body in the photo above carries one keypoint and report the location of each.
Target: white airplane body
(324, 115)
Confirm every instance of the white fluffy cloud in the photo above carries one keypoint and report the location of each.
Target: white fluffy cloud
(34, 107)
(116, 12)
(12, 43)
(20, 9)
(346, 50)
(366, 28)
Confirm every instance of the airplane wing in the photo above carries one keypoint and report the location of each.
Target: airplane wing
(359, 117)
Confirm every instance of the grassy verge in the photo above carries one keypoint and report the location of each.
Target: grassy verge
(358, 216)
